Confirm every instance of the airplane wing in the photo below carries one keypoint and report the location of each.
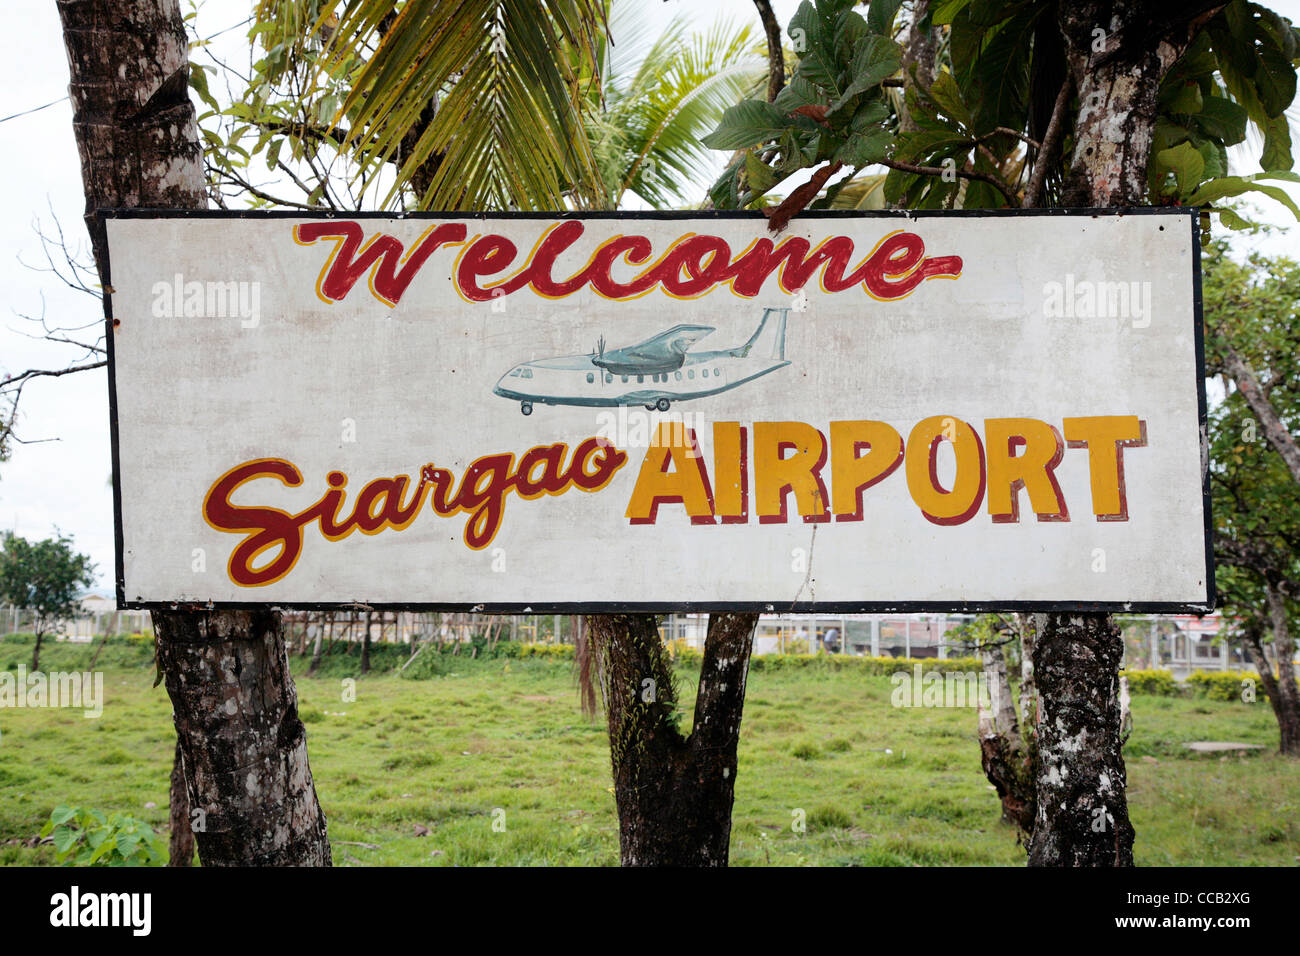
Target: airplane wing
(664, 352)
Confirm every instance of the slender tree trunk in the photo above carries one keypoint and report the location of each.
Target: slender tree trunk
(316, 648)
(1286, 700)
(365, 646)
(236, 711)
(181, 842)
(674, 792)
(138, 142)
(36, 650)
(1008, 762)
(1028, 686)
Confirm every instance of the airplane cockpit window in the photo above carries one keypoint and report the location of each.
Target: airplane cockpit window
(526, 373)
(514, 373)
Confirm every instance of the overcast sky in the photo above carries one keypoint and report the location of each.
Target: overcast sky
(61, 479)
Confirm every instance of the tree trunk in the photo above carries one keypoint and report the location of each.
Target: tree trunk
(236, 712)
(1028, 686)
(1118, 86)
(181, 842)
(138, 142)
(674, 793)
(365, 646)
(1082, 817)
(1275, 430)
(1082, 806)
(1286, 702)
(1008, 763)
(36, 651)
(316, 648)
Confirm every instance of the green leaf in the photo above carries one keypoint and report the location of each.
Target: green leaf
(1277, 144)
(1222, 119)
(1275, 77)
(748, 124)
(64, 838)
(62, 814)
(945, 92)
(875, 58)
(1186, 98)
(760, 177)
(880, 16)
(1226, 186)
(1231, 220)
(1186, 164)
(864, 149)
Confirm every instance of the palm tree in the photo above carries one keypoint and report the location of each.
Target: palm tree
(659, 96)
(448, 106)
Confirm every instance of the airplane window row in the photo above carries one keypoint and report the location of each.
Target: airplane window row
(655, 377)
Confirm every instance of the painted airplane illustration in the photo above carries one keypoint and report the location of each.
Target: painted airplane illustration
(654, 373)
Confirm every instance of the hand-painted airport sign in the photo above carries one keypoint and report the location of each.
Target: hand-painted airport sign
(660, 412)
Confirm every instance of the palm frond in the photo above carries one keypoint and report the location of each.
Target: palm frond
(506, 77)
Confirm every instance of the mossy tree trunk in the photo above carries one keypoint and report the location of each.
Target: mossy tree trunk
(674, 791)
(1118, 51)
(244, 751)
(252, 798)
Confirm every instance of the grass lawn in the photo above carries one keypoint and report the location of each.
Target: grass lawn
(878, 785)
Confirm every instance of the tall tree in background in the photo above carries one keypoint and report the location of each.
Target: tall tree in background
(234, 705)
(45, 576)
(1108, 103)
(1252, 318)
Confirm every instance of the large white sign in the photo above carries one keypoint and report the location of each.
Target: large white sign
(660, 411)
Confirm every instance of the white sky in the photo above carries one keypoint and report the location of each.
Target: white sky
(63, 482)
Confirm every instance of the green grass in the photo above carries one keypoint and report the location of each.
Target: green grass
(876, 785)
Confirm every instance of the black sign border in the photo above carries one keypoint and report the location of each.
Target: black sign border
(1190, 214)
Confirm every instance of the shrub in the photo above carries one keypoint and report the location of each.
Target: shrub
(1155, 682)
(1221, 685)
(805, 750)
(85, 837)
(549, 651)
(872, 666)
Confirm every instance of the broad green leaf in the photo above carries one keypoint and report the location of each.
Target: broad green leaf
(1186, 164)
(865, 149)
(875, 59)
(945, 92)
(1226, 186)
(748, 124)
(1186, 98)
(881, 14)
(1231, 220)
(64, 838)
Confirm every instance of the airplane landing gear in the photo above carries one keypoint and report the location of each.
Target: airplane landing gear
(662, 404)
(526, 407)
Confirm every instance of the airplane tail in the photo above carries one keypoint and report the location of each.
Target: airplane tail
(769, 337)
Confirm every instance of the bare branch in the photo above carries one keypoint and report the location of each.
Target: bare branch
(1055, 128)
(963, 173)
